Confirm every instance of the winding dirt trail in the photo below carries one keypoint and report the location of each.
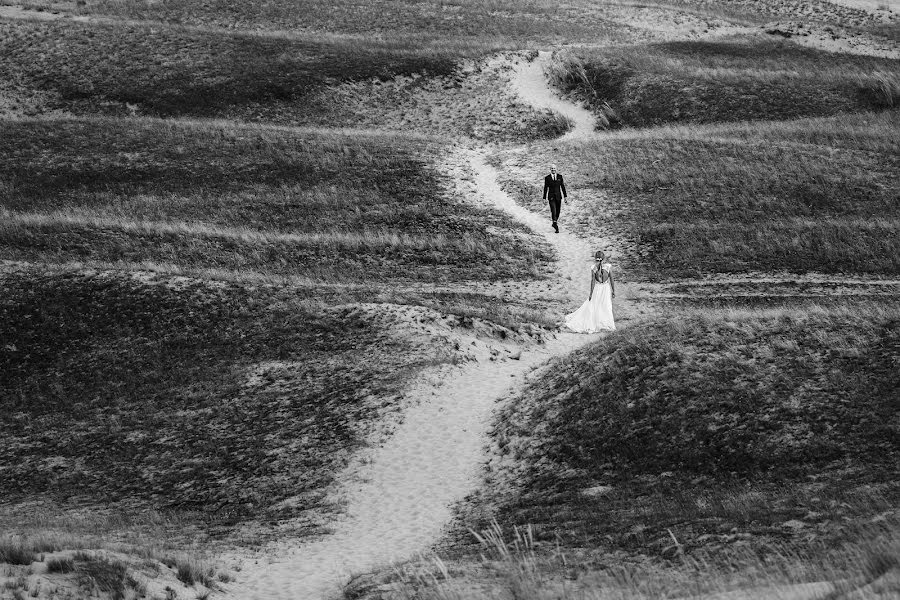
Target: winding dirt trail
(399, 496)
(531, 83)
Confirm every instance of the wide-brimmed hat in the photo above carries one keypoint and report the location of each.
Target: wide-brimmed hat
(599, 255)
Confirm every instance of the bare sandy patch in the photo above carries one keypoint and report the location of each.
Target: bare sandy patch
(102, 574)
(19, 12)
(655, 23)
(881, 8)
(832, 38)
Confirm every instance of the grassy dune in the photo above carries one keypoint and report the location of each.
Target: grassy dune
(707, 433)
(498, 20)
(809, 195)
(328, 206)
(731, 80)
(168, 71)
(220, 398)
(121, 69)
(215, 290)
(541, 21)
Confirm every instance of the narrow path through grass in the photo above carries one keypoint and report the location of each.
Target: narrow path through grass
(399, 496)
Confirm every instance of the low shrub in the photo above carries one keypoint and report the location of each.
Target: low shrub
(191, 571)
(16, 551)
(60, 565)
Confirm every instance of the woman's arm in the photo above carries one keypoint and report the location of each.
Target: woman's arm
(612, 285)
(593, 281)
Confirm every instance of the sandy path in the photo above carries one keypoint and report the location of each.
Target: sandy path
(399, 496)
(531, 84)
(573, 253)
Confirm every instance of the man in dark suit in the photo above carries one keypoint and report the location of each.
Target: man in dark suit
(555, 192)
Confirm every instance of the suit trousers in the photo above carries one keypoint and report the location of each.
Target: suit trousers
(555, 205)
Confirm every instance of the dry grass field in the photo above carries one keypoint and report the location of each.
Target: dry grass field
(808, 195)
(187, 395)
(232, 246)
(736, 79)
(760, 420)
(215, 196)
(61, 67)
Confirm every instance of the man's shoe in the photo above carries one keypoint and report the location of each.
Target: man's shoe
(555, 227)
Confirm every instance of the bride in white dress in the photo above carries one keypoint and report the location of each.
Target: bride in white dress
(596, 312)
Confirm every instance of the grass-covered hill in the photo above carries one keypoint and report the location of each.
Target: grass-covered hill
(229, 245)
(754, 396)
(185, 393)
(64, 67)
(169, 71)
(207, 310)
(217, 196)
(809, 195)
(473, 21)
(503, 21)
(738, 79)
(699, 452)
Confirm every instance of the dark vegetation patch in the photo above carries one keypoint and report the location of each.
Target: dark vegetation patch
(60, 565)
(105, 575)
(127, 69)
(761, 430)
(173, 72)
(730, 80)
(817, 195)
(890, 31)
(817, 11)
(329, 206)
(91, 163)
(14, 552)
(547, 22)
(220, 398)
(369, 257)
(192, 572)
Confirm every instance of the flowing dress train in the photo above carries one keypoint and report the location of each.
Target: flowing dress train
(596, 313)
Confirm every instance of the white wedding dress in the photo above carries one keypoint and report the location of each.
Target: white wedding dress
(595, 314)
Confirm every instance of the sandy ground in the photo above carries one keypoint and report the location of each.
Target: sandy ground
(877, 7)
(833, 39)
(156, 579)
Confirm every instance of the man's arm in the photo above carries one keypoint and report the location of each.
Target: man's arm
(562, 186)
(546, 187)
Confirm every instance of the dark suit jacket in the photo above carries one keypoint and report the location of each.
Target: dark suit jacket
(557, 189)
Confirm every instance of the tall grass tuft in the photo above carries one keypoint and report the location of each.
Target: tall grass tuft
(549, 125)
(513, 568)
(99, 573)
(15, 551)
(192, 571)
(516, 558)
(882, 88)
(60, 565)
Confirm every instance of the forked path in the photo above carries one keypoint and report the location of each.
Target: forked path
(399, 496)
